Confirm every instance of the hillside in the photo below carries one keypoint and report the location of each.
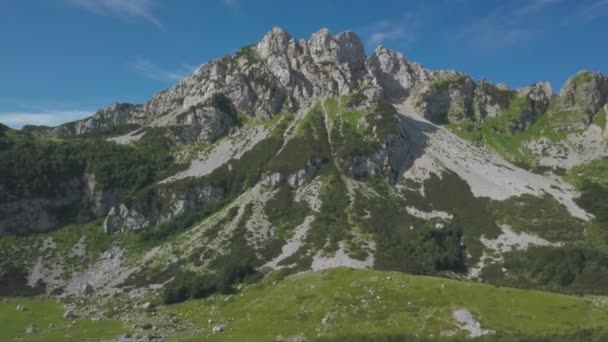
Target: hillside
(295, 157)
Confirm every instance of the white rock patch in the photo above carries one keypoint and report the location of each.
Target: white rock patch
(576, 149)
(128, 138)
(487, 174)
(227, 149)
(510, 240)
(80, 248)
(429, 215)
(292, 244)
(507, 241)
(310, 193)
(340, 259)
(467, 322)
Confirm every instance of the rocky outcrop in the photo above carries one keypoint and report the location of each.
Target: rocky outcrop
(490, 100)
(533, 102)
(204, 122)
(581, 98)
(393, 76)
(106, 120)
(388, 162)
(78, 199)
(586, 92)
(448, 98)
(121, 218)
(161, 205)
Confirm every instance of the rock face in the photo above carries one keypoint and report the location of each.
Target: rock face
(537, 99)
(204, 122)
(26, 211)
(137, 216)
(105, 120)
(583, 95)
(282, 74)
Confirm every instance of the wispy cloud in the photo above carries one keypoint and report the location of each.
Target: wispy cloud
(232, 4)
(592, 11)
(391, 30)
(46, 118)
(507, 26)
(126, 9)
(152, 71)
(529, 7)
(492, 33)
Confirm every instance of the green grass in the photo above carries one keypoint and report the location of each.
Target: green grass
(594, 172)
(491, 134)
(43, 312)
(544, 216)
(19, 248)
(600, 118)
(582, 78)
(378, 304)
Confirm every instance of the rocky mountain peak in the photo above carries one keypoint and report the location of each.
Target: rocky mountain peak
(537, 90)
(585, 92)
(275, 41)
(344, 49)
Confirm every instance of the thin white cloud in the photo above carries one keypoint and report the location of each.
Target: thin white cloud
(595, 10)
(125, 9)
(232, 4)
(507, 26)
(387, 30)
(152, 71)
(46, 118)
(533, 6)
(493, 33)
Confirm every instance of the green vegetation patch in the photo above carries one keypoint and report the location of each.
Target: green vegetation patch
(45, 316)
(569, 269)
(382, 304)
(310, 143)
(544, 216)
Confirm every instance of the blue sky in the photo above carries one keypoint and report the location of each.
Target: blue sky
(64, 59)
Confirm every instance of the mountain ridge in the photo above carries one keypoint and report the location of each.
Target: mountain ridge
(278, 49)
(291, 156)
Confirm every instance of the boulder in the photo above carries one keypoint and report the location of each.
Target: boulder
(86, 289)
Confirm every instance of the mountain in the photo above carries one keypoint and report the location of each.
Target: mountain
(298, 155)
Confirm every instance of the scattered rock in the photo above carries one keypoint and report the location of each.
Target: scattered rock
(217, 329)
(30, 329)
(69, 314)
(147, 306)
(467, 322)
(21, 308)
(87, 289)
(326, 319)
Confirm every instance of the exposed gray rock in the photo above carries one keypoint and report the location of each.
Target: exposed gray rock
(393, 76)
(121, 218)
(586, 92)
(173, 202)
(104, 121)
(490, 100)
(21, 308)
(538, 97)
(202, 124)
(69, 314)
(86, 289)
(448, 98)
